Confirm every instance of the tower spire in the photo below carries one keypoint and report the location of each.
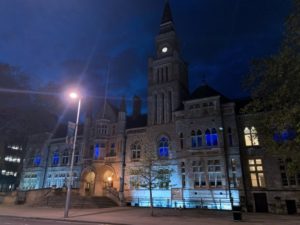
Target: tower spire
(166, 24)
(167, 14)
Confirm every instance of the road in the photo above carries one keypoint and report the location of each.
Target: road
(8, 220)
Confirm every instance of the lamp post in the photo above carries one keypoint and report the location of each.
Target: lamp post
(72, 95)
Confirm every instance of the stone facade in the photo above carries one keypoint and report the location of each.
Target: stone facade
(199, 136)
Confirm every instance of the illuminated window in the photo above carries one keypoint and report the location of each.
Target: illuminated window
(55, 159)
(37, 160)
(199, 174)
(214, 173)
(211, 137)
(199, 138)
(256, 173)
(251, 138)
(136, 152)
(208, 137)
(163, 147)
(214, 137)
(96, 151)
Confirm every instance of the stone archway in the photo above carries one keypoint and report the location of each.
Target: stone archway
(105, 178)
(87, 184)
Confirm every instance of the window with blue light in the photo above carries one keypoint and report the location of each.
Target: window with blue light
(199, 138)
(55, 159)
(96, 151)
(163, 149)
(208, 137)
(214, 137)
(193, 139)
(37, 160)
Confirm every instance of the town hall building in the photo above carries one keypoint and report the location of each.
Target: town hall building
(212, 150)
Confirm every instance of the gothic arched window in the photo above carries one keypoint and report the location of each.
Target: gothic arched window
(96, 151)
(251, 138)
(208, 137)
(199, 138)
(37, 160)
(55, 158)
(193, 139)
(214, 137)
(163, 147)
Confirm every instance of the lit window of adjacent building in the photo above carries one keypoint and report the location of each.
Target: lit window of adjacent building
(163, 147)
(256, 173)
(251, 138)
(136, 152)
(214, 173)
(199, 174)
(12, 159)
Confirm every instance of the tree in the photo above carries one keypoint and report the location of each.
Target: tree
(150, 173)
(275, 86)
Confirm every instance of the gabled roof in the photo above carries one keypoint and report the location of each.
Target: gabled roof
(205, 91)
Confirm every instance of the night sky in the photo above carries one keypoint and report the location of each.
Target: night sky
(106, 43)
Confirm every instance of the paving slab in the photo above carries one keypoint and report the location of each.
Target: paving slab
(141, 216)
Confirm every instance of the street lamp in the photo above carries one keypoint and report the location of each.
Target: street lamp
(72, 95)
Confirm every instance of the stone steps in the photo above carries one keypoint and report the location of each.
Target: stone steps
(77, 201)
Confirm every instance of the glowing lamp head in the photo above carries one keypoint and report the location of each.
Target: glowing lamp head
(73, 95)
(109, 179)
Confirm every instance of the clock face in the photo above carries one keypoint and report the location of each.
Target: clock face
(164, 49)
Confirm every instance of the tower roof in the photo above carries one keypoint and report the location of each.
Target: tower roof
(166, 24)
(167, 14)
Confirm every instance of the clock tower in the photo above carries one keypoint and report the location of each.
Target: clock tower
(167, 74)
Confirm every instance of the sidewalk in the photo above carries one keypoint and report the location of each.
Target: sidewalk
(141, 216)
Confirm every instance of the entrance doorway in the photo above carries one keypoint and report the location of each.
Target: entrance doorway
(261, 203)
(291, 206)
(89, 183)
